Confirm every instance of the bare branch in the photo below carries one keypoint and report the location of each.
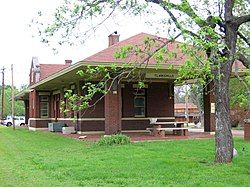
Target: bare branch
(178, 24)
(220, 9)
(243, 38)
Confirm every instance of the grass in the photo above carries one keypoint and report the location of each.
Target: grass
(45, 159)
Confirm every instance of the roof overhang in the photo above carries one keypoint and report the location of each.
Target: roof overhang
(69, 75)
(23, 95)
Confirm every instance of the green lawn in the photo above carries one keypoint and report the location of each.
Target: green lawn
(44, 159)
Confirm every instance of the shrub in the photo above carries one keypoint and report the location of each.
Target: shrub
(117, 139)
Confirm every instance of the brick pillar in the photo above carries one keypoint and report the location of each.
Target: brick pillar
(62, 99)
(113, 111)
(52, 106)
(209, 108)
(26, 104)
(247, 130)
(34, 104)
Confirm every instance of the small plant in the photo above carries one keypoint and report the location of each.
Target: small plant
(117, 139)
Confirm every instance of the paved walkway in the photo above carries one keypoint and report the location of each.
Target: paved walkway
(238, 133)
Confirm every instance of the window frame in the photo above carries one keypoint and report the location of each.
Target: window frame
(141, 94)
(44, 100)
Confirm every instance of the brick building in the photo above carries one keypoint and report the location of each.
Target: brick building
(128, 108)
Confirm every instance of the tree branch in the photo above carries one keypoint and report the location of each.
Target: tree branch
(222, 29)
(242, 19)
(174, 19)
(229, 4)
(243, 38)
(184, 7)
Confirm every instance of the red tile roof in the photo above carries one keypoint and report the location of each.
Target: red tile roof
(183, 105)
(49, 69)
(107, 55)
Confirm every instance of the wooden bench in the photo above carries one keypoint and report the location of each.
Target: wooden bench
(162, 131)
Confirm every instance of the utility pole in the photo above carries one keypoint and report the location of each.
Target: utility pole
(12, 98)
(2, 92)
(186, 104)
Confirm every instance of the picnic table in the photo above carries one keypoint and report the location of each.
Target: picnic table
(176, 126)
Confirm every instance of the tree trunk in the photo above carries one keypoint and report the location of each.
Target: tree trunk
(223, 134)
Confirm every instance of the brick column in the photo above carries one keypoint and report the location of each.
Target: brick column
(209, 108)
(247, 129)
(26, 108)
(61, 99)
(113, 111)
(34, 104)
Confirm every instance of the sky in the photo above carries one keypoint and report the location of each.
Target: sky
(18, 46)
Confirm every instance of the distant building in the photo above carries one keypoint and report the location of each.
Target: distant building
(192, 112)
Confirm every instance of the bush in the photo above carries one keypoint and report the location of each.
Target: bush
(117, 139)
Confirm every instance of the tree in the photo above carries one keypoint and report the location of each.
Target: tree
(179, 94)
(19, 105)
(239, 96)
(220, 28)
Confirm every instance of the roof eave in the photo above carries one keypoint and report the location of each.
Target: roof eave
(22, 95)
(89, 63)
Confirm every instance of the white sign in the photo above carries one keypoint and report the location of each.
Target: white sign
(212, 108)
(161, 75)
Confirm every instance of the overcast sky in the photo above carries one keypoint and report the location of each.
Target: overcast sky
(18, 46)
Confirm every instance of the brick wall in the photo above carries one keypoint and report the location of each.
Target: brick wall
(39, 123)
(96, 111)
(135, 124)
(158, 102)
(158, 105)
(92, 125)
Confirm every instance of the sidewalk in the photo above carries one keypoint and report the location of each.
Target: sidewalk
(236, 133)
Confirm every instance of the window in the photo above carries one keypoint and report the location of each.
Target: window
(44, 106)
(139, 103)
